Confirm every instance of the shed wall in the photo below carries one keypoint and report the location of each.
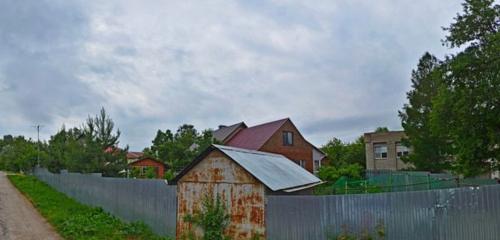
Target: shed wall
(242, 194)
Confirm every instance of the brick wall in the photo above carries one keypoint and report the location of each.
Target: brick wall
(300, 150)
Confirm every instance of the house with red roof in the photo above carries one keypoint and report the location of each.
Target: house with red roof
(281, 137)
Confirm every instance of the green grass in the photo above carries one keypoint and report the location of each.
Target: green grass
(74, 220)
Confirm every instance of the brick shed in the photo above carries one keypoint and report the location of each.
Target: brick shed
(242, 178)
(149, 162)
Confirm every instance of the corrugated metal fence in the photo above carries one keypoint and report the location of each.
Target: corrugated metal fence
(150, 201)
(459, 213)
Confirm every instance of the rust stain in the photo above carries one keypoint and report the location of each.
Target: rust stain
(241, 192)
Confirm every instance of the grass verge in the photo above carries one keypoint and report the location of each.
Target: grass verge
(74, 220)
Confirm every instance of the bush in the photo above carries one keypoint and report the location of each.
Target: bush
(213, 218)
(332, 173)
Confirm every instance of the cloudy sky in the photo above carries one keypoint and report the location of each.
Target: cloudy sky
(336, 68)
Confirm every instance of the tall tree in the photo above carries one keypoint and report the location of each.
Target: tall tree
(468, 109)
(427, 146)
(90, 148)
(456, 117)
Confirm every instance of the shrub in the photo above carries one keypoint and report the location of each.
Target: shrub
(213, 218)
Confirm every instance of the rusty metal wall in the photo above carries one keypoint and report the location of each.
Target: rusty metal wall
(150, 201)
(242, 194)
(459, 214)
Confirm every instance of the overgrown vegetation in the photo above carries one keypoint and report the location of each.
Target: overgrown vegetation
(18, 154)
(452, 118)
(93, 147)
(178, 149)
(77, 221)
(213, 218)
(377, 234)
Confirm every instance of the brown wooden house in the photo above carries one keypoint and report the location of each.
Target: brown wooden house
(281, 137)
(147, 162)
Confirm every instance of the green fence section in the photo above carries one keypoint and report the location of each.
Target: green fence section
(398, 181)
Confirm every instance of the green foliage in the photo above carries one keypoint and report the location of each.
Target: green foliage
(150, 172)
(74, 220)
(340, 153)
(177, 150)
(463, 113)
(378, 233)
(213, 218)
(332, 173)
(143, 172)
(169, 175)
(18, 154)
(428, 147)
(381, 130)
(91, 148)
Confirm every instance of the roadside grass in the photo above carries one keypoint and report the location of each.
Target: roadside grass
(74, 220)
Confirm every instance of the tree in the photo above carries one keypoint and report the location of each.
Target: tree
(467, 111)
(90, 148)
(179, 149)
(346, 159)
(381, 130)
(18, 154)
(340, 153)
(463, 116)
(428, 153)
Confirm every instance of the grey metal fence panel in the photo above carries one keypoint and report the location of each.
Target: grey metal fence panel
(150, 201)
(458, 213)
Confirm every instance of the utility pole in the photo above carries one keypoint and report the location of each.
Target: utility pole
(38, 144)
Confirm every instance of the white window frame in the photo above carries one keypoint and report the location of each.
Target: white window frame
(379, 155)
(400, 153)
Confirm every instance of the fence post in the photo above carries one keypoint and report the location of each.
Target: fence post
(345, 188)
(366, 186)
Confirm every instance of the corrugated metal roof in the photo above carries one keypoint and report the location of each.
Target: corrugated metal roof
(275, 171)
(254, 137)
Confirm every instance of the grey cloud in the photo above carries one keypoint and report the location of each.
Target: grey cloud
(40, 43)
(336, 68)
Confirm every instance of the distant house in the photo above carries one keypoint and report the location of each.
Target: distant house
(142, 165)
(134, 156)
(242, 178)
(281, 137)
(384, 150)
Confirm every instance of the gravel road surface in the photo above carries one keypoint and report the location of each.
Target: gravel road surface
(19, 220)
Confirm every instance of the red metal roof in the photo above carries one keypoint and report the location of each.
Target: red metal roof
(253, 138)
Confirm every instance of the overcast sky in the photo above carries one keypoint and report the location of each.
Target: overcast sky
(336, 68)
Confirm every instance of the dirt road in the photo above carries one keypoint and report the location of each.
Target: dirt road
(19, 220)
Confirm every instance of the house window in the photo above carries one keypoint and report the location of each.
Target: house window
(301, 163)
(401, 150)
(317, 165)
(380, 150)
(287, 138)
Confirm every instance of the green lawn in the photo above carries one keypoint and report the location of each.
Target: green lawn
(74, 220)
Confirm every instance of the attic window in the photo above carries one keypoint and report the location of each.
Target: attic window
(287, 138)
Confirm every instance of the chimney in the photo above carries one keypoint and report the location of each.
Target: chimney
(222, 126)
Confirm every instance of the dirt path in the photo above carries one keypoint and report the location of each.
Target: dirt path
(19, 220)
